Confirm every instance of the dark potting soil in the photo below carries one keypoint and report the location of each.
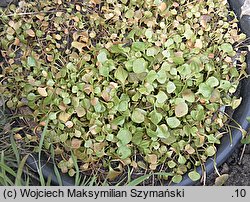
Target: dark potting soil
(238, 171)
(239, 174)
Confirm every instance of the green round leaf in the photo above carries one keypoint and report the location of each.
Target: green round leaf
(194, 175)
(170, 87)
(31, 62)
(177, 178)
(162, 131)
(52, 116)
(210, 151)
(155, 117)
(161, 97)
(171, 164)
(138, 116)
(139, 66)
(102, 57)
(124, 152)
(246, 140)
(173, 122)
(205, 90)
(129, 14)
(123, 106)
(138, 46)
(151, 76)
(149, 33)
(224, 84)
(227, 47)
(121, 74)
(151, 51)
(125, 136)
(181, 159)
(212, 81)
(74, 89)
(189, 33)
(31, 96)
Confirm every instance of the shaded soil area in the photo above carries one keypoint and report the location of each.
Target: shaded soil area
(238, 169)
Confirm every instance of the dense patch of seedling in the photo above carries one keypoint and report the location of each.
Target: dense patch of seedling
(136, 83)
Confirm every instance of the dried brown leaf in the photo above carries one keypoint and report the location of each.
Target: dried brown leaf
(30, 32)
(42, 91)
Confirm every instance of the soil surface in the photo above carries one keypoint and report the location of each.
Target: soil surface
(238, 169)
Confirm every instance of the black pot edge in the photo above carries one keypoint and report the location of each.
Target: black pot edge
(226, 147)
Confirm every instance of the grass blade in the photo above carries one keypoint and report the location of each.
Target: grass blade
(27, 181)
(77, 175)
(2, 170)
(92, 181)
(14, 148)
(145, 177)
(7, 169)
(18, 181)
(48, 180)
(7, 180)
(57, 173)
(42, 181)
(139, 180)
(83, 180)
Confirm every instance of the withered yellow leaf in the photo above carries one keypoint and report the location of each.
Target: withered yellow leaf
(64, 117)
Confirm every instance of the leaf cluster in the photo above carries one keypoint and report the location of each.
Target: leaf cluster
(119, 79)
